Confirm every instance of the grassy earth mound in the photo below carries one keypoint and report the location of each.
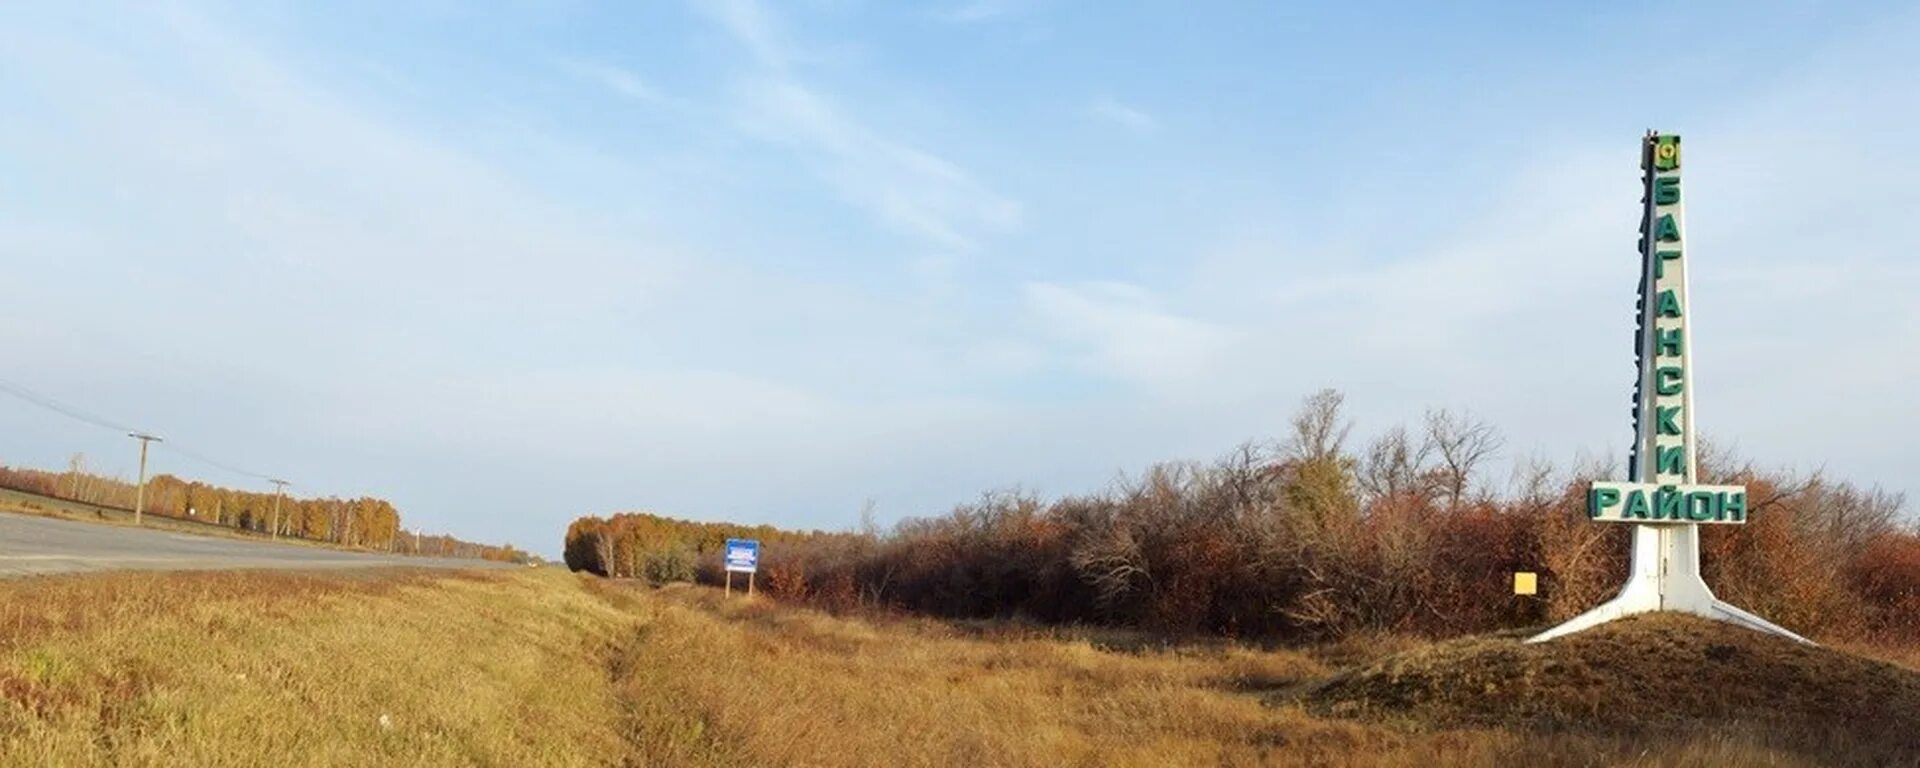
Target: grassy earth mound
(1654, 674)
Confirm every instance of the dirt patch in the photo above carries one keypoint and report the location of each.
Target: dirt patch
(1664, 673)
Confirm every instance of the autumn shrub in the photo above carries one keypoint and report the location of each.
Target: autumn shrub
(668, 565)
(787, 580)
(1886, 576)
(1302, 540)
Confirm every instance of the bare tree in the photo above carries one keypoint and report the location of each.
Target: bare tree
(603, 539)
(1112, 563)
(1848, 517)
(1463, 443)
(1245, 480)
(870, 519)
(1535, 481)
(83, 485)
(880, 568)
(1319, 431)
(1394, 464)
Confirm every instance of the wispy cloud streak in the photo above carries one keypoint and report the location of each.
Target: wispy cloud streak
(1114, 111)
(614, 78)
(907, 188)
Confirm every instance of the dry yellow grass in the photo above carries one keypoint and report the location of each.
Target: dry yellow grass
(276, 669)
(545, 668)
(736, 683)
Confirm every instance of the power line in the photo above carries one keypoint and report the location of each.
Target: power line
(77, 414)
(52, 404)
(175, 447)
(61, 408)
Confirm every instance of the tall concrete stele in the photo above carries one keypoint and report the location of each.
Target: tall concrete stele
(1660, 496)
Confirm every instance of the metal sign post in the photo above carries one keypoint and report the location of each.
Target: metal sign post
(1661, 496)
(741, 556)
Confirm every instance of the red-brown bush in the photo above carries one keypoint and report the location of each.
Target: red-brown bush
(1306, 541)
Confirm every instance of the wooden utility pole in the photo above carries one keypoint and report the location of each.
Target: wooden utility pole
(279, 490)
(140, 491)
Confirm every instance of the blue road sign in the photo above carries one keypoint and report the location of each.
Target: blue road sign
(743, 555)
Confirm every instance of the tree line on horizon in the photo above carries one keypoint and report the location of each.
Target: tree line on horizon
(642, 545)
(1303, 539)
(365, 522)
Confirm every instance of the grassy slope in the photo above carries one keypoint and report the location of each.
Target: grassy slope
(280, 669)
(760, 684)
(544, 668)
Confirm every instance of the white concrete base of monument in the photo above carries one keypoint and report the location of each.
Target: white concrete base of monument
(1665, 577)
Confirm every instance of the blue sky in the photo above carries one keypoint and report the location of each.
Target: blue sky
(509, 263)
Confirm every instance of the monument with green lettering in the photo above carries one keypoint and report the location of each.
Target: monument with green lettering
(1660, 496)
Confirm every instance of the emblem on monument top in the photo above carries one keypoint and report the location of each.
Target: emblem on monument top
(1666, 152)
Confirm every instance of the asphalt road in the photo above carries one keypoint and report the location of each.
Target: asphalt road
(32, 545)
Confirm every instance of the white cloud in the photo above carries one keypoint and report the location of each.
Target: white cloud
(910, 189)
(276, 245)
(373, 308)
(750, 24)
(616, 79)
(1114, 111)
(976, 11)
(1122, 331)
(1798, 232)
(322, 290)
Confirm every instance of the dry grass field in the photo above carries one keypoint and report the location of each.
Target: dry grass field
(258, 668)
(754, 683)
(547, 668)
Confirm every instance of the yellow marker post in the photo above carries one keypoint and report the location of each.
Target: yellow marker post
(1526, 583)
